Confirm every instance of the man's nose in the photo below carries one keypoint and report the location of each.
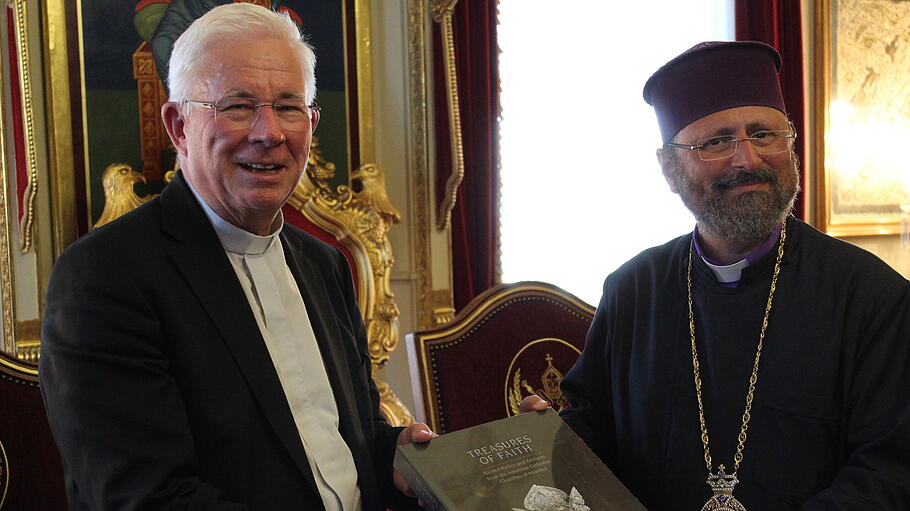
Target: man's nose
(745, 156)
(266, 127)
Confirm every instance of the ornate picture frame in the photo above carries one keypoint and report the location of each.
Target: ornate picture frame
(862, 115)
(45, 171)
(25, 256)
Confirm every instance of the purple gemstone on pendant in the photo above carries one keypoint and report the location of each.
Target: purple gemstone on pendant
(721, 498)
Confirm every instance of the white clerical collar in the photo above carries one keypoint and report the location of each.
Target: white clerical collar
(233, 238)
(727, 273)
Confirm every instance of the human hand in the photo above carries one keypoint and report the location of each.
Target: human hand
(532, 403)
(419, 433)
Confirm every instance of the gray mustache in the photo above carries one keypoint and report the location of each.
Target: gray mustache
(745, 177)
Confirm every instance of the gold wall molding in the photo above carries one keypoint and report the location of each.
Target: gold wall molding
(28, 124)
(432, 304)
(442, 13)
(62, 181)
(363, 33)
(419, 155)
(7, 307)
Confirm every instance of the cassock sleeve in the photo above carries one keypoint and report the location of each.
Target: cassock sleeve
(876, 473)
(115, 411)
(587, 385)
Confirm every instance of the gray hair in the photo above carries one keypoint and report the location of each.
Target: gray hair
(234, 21)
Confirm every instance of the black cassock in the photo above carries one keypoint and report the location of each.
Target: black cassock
(830, 423)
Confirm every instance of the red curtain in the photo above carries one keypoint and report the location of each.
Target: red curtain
(475, 233)
(779, 23)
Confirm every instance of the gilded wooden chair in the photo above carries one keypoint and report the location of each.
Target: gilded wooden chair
(31, 476)
(509, 342)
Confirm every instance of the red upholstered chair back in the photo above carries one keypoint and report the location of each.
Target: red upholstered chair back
(511, 341)
(31, 476)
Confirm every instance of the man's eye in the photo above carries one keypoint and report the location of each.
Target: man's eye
(235, 107)
(289, 109)
(716, 141)
(763, 134)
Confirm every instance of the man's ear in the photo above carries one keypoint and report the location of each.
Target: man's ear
(314, 121)
(667, 167)
(174, 123)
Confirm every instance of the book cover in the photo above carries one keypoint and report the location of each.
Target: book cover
(529, 462)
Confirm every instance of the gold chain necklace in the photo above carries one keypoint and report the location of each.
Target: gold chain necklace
(721, 483)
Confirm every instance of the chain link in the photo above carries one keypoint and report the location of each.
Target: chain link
(753, 379)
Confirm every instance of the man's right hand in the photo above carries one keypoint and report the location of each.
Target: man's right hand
(532, 403)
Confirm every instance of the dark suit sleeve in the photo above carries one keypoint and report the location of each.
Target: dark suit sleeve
(384, 438)
(115, 410)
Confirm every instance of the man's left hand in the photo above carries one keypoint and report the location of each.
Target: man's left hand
(419, 433)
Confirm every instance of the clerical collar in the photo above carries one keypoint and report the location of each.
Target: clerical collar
(233, 238)
(729, 274)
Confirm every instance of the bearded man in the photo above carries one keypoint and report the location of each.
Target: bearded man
(755, 354)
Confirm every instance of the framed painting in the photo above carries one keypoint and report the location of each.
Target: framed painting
(80, 94)
(863, 115)
(114, 93)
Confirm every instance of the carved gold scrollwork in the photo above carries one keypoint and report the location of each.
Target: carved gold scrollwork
(442, 8)
(360, 220)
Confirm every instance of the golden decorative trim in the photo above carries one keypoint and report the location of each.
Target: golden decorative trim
(26, 370)
(440, 9)
(822, 93)
(360, 221)
(442, 315)
(364, 53)
(442, 14)
(8, 343)
(28, 331)
(4, 475)
(550, 391)
(84, 108)
(28, 123)
(492, 301)
(119, 195)
(392, 407)
(60, 127)
(429, 300)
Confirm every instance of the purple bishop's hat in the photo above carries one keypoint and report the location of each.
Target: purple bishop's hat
(710, 77)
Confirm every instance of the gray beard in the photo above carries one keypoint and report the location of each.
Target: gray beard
(745, 219)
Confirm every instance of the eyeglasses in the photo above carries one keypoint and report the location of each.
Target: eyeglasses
(725, 146)
(239, 113)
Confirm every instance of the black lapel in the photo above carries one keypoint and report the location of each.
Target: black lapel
(201, 260)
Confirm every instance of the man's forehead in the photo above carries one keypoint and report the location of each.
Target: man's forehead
(264, 69)
(731, 120)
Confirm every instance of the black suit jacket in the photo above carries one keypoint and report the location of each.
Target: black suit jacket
(159, 389)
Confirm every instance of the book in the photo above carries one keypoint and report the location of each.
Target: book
(529, 462)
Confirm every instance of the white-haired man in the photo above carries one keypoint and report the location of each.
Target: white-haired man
(755, 354)
(199, 353)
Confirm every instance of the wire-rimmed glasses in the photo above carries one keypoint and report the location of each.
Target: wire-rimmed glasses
(721, 147)
(240, 112)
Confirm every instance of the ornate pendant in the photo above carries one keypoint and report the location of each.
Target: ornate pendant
(722, 485)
